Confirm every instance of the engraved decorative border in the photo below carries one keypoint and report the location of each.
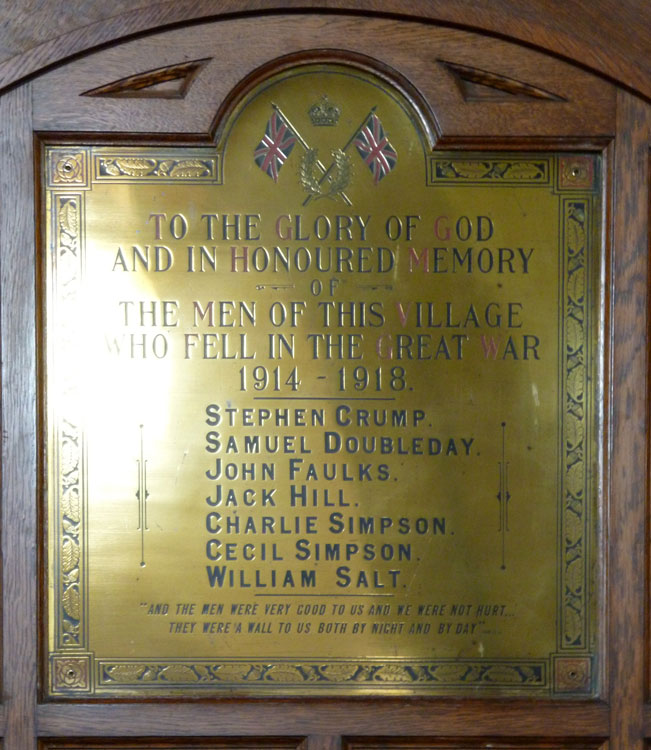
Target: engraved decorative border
(69, 557)
(205, 674)
(129, 166)
(67, 168)
(71, 673)
(575, 496)
(523, 171)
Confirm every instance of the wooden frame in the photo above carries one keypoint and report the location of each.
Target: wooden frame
(601, 115)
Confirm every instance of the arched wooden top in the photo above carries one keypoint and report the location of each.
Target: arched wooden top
(610, 37)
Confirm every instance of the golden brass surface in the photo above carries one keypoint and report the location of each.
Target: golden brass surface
(322, 407)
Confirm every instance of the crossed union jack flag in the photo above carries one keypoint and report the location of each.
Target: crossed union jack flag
(374, 147)
(370, 140)
(276, 145)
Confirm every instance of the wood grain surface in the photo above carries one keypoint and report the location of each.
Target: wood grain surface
(19, 444)
(414, 51)
(612, 37)
(628, 458)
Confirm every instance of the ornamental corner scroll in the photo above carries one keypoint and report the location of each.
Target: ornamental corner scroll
(332, 425)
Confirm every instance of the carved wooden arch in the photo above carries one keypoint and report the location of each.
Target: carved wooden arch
(451, 72)
(351, 59)
(608, 37)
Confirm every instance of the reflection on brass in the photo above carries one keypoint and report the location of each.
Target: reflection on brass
(322, 408)
(142, 493)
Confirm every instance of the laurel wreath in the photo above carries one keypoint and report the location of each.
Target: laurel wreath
(338, 174)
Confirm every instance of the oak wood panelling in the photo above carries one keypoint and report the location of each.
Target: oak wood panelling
(609, 36)
(483, 744)
(17, 305)
(318, 717)
(628, 457)
(326, 743)
(414, 50)
(265, 743)
(647, 707)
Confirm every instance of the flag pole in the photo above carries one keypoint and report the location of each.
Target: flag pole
(359, 127)
(344, 149)
(351, 139)
(302, 140)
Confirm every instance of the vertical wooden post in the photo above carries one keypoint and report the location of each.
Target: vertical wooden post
(628, 485)
(19, 502)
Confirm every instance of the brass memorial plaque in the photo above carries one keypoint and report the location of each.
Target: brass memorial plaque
(322, 408)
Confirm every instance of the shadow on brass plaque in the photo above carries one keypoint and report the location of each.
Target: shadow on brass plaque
(322, 408)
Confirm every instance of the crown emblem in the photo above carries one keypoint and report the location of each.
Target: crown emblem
(324, 112)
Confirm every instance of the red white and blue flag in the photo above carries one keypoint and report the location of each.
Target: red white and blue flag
(277, 144)
(374, 147)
